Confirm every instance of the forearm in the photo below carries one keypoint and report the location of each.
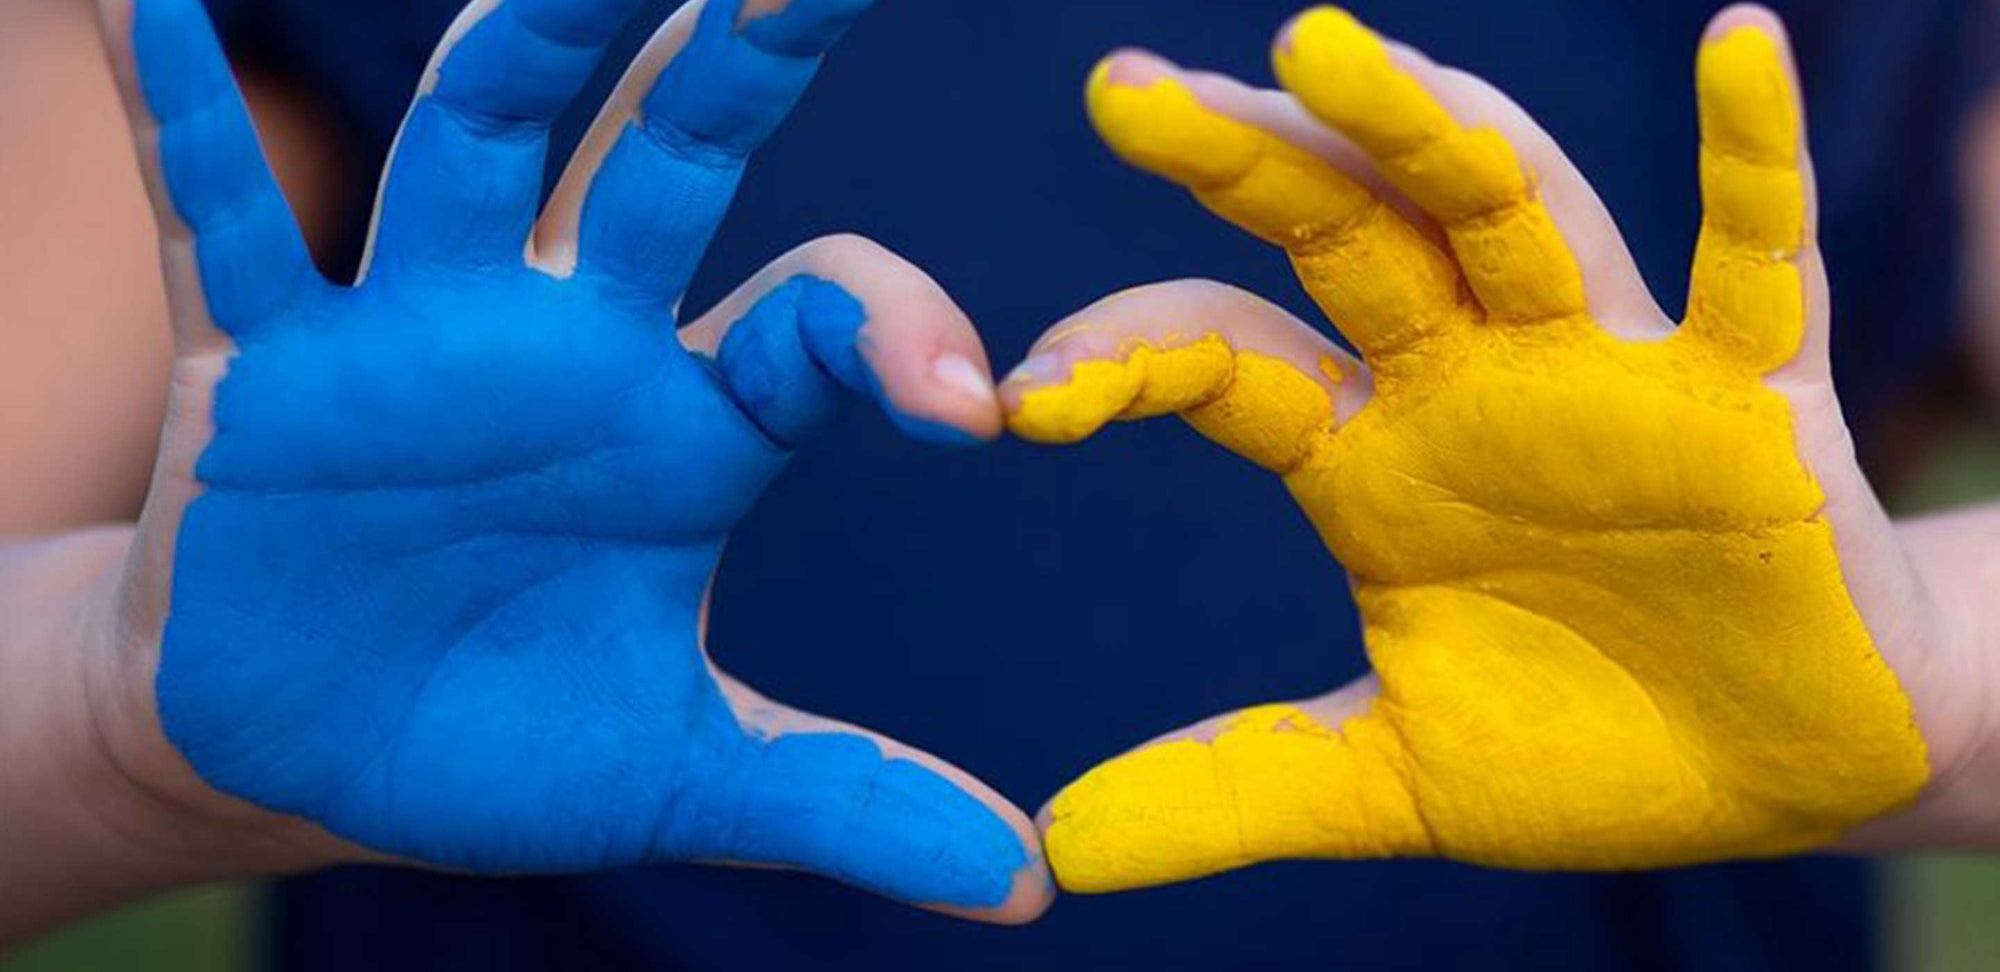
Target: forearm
(80, 828)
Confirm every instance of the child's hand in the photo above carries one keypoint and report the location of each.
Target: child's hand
(1629, 601)
(427, 558)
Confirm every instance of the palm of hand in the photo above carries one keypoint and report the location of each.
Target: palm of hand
(509, 504)
(1610, 628)
(1602, 599)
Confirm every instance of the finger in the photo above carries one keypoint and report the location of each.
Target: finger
(465, 176)
(1748, 299)
(862, 808)
(1322, 779)
(843, 316)
(1468, 179)
(1380, 281)
(231, 250)
(1243, 372)
(647, 189)
(1617, 293)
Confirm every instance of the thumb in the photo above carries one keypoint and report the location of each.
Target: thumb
(1321, 779)
(812, 794)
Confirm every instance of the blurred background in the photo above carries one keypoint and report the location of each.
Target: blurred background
(952, 131)
(1939, 918)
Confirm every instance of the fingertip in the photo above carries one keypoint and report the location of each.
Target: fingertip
(1070, 387)
(1034, 892)
(1143, 108)
(947, 400)
(878, 815)
(1281, 45)
(985, 862)
(960, 376)
(1045, 816)
(1031, 888)
(1744, 35)
(1120, 72)
(1152, 816)
(1321, 29)
(798, 28)
(1745, 15)
(1322, 17)
(1347, 75)
(1130, 67)
(965, 392)
(944, 434)
(1747, 89)
(1057, 352)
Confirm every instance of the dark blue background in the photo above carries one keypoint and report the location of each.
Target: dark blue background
(1027, 612)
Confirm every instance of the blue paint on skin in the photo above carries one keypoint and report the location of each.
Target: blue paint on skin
(441, 591)
(788, 360)
(927, 430)
(790, 357)
(661, 191)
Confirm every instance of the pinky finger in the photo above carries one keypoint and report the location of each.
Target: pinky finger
(1757, 294)
(232, 250)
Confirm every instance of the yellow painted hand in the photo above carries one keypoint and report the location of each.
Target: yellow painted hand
(1599, 559)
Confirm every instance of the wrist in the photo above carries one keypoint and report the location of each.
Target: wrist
(1954, 555)
(1956, 688)
(210, 833)
(101, 807)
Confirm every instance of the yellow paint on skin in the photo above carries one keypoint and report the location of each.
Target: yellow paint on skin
(1469, 179)
(1331, 369)
(1382, 280)
(1609, 623)
(1306, 783)
(1756, 205)
(1261, 407)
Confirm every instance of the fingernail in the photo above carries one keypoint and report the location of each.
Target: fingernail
(1283, 43)
(1133, 67)
(1040, 368)
(1289, 32)
(958, 373)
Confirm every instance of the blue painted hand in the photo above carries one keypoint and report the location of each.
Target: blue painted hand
(428, 555)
